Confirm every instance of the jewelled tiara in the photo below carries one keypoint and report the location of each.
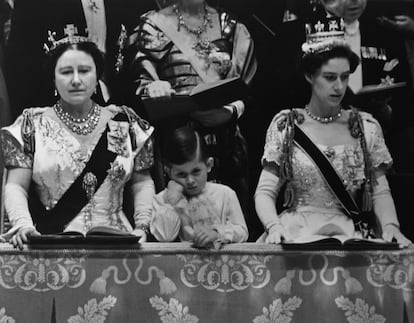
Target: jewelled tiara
(324, 35)
(72, 37)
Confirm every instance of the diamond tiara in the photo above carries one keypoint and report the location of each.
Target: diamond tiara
(72, 37)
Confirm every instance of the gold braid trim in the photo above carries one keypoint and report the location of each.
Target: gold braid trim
(287, 124)
(356, 127)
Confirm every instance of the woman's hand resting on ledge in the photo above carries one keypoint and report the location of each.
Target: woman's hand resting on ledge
(21, 236)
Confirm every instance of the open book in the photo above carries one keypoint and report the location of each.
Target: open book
(202, 97)
(341, 242)
(380, 88)
(96, 235)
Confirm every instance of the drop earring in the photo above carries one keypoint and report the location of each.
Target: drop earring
(56, 93)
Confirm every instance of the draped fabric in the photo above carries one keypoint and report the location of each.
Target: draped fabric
(172, 282)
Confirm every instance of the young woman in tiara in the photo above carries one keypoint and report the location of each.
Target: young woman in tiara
(76, 155)
(325, 153)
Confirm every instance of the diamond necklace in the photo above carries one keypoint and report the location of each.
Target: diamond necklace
(202, 46)
(80, 126)
(323, 119)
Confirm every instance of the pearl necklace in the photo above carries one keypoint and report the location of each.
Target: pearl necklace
(323, 119)
(80, 126)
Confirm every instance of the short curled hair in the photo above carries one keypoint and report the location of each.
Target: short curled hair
(87, 47)
(312, 62)
(183, 145)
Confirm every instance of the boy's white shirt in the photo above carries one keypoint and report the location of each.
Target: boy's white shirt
(216, 206)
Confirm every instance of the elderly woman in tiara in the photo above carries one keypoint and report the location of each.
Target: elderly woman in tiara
(181, 46)
(76, 155)
(324, 155)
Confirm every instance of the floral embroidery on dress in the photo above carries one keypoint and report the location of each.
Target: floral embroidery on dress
(116, 172)
(172, 312)
(221, 61)
(118, 137)
(379, 154)
(52, 135)
(94, 311)
(13, 152)
(279, 312)
(145, 157)
(274, 138)
(360, 312)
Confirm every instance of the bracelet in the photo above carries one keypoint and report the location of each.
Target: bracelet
(143, 226)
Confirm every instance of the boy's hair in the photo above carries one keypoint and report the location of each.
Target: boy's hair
(183, 145)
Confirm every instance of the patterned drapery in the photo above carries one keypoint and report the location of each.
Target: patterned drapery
(174, 282)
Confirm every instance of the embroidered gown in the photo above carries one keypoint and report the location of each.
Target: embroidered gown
(59, 158)
(315, 208)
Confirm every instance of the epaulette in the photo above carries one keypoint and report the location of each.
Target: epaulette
(150, 36)
(281, 119)
(133, 117)
(28, 132)
(286, 115)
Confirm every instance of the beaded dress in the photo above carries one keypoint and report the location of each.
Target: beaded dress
(59, 157)
(315, 207)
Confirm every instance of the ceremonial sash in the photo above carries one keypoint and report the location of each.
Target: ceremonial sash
(75, 198)
(329, 173)
(185, 44)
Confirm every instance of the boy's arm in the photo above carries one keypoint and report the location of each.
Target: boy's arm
(233, 227)
(165, 223)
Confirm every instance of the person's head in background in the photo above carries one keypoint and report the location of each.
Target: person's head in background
(74, 69)
(187, 160)
(349, 10)
(327, 69)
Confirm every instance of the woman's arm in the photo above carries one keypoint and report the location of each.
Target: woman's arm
(143, 191)
(384, 209)
(265, 201)
(17, 207)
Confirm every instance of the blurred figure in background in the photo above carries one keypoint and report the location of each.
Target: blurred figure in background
(377, 33)
(6, 7)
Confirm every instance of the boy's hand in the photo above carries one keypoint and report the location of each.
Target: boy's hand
(174, 192)
(205, 237)
(140, 233)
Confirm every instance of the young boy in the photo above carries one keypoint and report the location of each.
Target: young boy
(190, 207)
